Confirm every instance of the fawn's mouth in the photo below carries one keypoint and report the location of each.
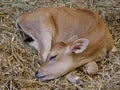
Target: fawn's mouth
(37, 75)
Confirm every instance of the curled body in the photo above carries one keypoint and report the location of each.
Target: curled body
(66, 39)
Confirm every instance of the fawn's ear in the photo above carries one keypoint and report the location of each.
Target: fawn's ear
(79, 45)
(73, 38)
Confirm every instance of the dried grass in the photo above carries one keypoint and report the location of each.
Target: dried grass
(18, 61)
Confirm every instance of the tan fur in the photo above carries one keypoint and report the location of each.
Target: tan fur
(50, 25)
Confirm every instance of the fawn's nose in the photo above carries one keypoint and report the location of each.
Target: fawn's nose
(38, 75)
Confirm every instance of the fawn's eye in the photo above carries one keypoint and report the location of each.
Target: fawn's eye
(53, 57)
